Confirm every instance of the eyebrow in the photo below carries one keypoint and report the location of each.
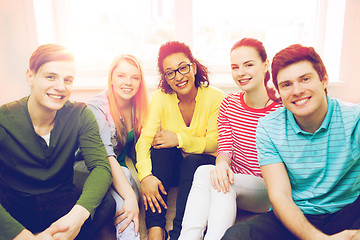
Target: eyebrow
(178, 65)
(50, 73)
(306, 74)
(137, 74)
(300, 77)
(285, 81)
(248, 61)
(55, 74)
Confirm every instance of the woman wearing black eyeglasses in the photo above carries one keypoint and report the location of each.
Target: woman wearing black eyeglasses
(180, 135)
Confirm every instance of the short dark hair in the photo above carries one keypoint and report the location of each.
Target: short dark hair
(168, 48)
(49, 53)
(293, 54)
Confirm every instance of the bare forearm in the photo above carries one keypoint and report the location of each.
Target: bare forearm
(24, 234)
(120, 182)
(223, 157)
(295, 221)
(280, 195)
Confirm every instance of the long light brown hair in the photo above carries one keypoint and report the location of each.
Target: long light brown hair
(139, 100)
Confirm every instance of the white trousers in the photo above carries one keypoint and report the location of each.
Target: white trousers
(216, 210)
(129, 232)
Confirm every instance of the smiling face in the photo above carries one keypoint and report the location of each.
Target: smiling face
(302, 92)
(51, 85)
(182, 84)
(247, 68)
(126, 78)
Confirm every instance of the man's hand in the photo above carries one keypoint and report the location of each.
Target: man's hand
(73, 220)
(346, 235)
(130, 212)
(47, 234)
(150, 186)
(165, 139)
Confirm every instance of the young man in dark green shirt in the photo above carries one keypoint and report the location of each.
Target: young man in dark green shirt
(39, 136)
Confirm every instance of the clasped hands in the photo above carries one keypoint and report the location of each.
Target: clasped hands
(165, 139)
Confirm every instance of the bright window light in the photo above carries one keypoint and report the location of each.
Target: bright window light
(97, 31)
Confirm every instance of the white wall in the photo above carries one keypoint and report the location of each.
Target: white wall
(18, 39)
(350, 59)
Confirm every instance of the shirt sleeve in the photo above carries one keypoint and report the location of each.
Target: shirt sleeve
(266, 150)
(143, 145)
(208, 142)
(93, 151)
(357, 127)
(104, 128)
(9, 227)
(225, 141)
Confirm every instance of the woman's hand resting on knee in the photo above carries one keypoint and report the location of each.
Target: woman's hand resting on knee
(150, 186)
(222, 175)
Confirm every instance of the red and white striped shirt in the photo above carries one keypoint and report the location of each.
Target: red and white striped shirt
(237, 124)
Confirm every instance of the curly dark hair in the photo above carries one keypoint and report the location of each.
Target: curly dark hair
(168, 48)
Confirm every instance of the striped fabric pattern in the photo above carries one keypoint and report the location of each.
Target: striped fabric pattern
(237, 124)
(323, 167)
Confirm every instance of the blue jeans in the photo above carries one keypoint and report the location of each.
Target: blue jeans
(267, 227)
(36, 213)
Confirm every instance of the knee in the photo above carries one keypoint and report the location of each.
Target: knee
(237, 231)
(108, 203)
(202, 173)
(191, 162)
(107, 207)
(163, 151)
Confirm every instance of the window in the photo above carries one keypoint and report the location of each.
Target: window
(97, 31)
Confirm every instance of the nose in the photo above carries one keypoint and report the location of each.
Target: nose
(297, 89)
(241, 71)
(127, 80)
(178, 76)
(60, 85)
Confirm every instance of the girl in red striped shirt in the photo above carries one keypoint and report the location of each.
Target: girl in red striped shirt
(236, 179)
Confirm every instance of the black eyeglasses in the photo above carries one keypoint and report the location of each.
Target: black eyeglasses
(183, 69)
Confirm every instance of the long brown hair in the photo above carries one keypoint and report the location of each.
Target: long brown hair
(139, 101)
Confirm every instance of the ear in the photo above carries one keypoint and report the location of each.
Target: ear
(29, 77)
(267, 65)
(325, 81)
(194, 68)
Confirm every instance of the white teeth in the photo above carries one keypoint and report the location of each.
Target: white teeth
(300, 101)
(244, 80)
(127, 89)
(55, 96)
(181, 84)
